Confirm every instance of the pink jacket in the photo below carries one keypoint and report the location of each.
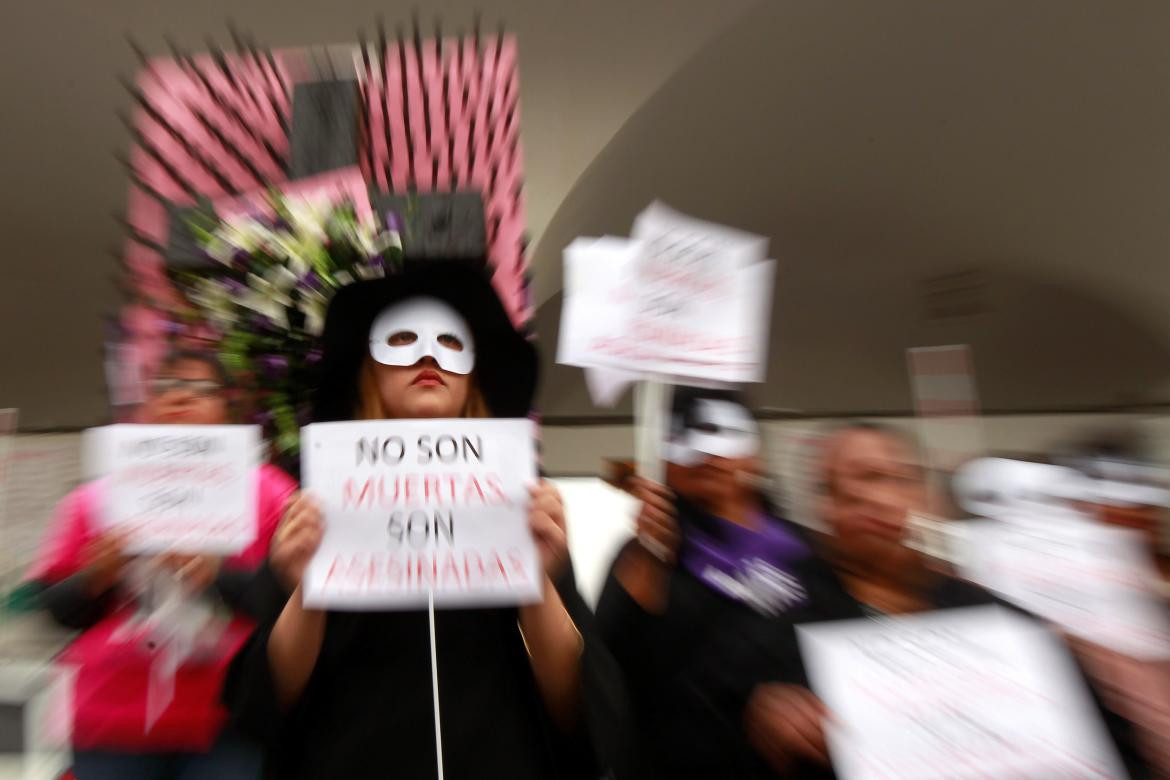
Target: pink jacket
(112, 677)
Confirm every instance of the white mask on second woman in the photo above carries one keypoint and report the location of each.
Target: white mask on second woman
(406, 332)
(718, 428)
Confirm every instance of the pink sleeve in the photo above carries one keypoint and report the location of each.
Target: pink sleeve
(69, 530)
(273, 492)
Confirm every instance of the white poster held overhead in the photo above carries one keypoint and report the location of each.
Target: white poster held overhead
(681, 300)
(180, 488)
(972, 693)
(415, 507)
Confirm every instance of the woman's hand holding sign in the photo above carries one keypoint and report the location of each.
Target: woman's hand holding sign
(196, 572)
(105, 559)
(295, 641)
(546, 518)
(656, 526)
(296, 540)
(644, 568)
(785, 723)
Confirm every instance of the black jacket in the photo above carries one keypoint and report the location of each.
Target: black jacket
(367, 711)
(689, 672)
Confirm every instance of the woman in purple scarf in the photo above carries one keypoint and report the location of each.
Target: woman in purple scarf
(710, 574)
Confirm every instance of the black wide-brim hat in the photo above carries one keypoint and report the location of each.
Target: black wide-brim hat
(505, 361)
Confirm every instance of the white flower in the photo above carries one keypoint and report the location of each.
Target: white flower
(308, 218)
(220, 250)
(298, 266)
(243, 233)
(362, 236)
(281, 278)
(386, 240)
(314, 312)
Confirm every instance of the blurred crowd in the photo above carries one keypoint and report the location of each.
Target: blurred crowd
(689, 666)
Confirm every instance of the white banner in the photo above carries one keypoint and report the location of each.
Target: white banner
(1094, 581)
(413, 506)
(182, 488)
(681, 300)
(964, 693)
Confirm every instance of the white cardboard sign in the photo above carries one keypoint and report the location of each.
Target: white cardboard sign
(682, 299)
(972, 693)
(1096, 582)
(182, 488)
(419, 506)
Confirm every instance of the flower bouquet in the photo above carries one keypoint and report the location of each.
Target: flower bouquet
(261, 298)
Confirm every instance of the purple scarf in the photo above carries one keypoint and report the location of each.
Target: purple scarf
(748, 565)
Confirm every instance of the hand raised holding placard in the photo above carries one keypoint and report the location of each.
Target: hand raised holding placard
(656, 526)
(785, 723)
(296, 540)
(546, 518)
(196, 572)
(105, 560)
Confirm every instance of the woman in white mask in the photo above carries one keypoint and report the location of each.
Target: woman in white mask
(342, 694)
(709, 577)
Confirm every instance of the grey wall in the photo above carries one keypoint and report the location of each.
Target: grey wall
(884, 145)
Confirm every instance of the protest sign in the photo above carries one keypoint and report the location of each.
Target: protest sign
(965, 693)
(1094, 581)
(182, 488)
(415, 507)
(681, 300)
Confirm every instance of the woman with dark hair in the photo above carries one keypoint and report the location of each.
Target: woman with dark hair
(86, 581)
(348, 694)
(709, 577)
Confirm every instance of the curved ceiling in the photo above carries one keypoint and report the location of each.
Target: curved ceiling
(892, 148)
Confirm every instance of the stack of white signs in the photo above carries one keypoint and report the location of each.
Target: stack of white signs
(681, 300)
(964, 693)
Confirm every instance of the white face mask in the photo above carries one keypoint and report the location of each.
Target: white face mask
(719, 428)
(405, 333)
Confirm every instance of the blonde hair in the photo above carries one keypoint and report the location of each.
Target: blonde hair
(370, 406)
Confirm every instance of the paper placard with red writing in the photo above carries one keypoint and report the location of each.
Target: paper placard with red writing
(182, 488)
(1095, 581)
(681, 300)
(966, 694)
(413, 506)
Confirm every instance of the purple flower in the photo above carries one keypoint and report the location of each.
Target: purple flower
(393, 221)
(274, 365)
(311, 281)
(235, 286)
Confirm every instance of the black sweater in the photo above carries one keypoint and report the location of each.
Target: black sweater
(367, 711)
(689, 672)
